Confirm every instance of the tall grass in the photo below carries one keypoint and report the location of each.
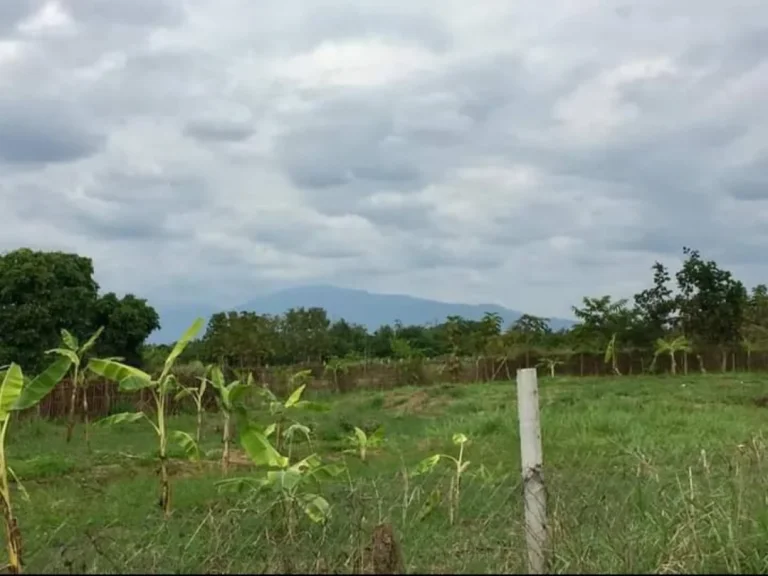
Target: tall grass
(644, 475)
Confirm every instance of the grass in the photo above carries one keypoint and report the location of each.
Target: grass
(644, 475)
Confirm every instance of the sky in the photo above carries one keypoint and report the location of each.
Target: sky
(520, 153)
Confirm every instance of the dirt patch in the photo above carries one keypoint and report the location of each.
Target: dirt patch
(414, 402)
(762, 401)
(239, 458)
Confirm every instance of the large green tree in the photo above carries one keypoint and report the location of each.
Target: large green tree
(127, 322)
(41, 293)
(712, 304)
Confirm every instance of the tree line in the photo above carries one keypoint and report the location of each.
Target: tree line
(701, 307)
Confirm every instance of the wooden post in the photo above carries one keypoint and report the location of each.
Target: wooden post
(534, 493)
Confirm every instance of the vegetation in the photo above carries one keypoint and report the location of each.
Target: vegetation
(310, 481)
(704, 310)
(132, 379)
(703, 306)
(645, 475)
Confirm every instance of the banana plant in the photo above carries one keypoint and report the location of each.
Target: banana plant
(280, 409)
(671, 347)
(18, 394)
(71, 349)
(361, 442)
(229, 398)
(460, 465)
(132, 379)
(611, 351)
(289, 481)
(551, 364)
(337, 366)
(198, 395)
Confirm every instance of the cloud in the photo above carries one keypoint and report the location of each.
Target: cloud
(525, 154)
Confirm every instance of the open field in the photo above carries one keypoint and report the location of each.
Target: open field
(644, 475)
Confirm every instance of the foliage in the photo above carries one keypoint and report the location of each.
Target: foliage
(132, 379)
(459, 467)
(42, 293)
(17, 394)
(71, 349)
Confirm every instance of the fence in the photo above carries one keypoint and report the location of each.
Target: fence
(105, 398)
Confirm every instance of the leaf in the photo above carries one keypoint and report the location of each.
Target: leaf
(217, 378)
(293, 428)
(459, 439)
(122, 418)
(284, 480)
(183, 393)
(269, 430)
(266, 392)
(238, 484)
(260, 450)
(433, 501)
(315, 507)
(42, 384)
(10, 388)
(301, 376)
(295, 396)
(236, 391)
(115, 371)
(327, 471)
(69, 340)
(134, 383)
(377, 437)
(426, 465)
(181, 344)
(92, 340)
(309, 463)
(362, 439)
(73, 357)
(187, 443)
(19, 485)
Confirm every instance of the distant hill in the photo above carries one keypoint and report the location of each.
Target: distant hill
(358, 306)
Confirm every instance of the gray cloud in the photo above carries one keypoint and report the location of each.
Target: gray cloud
(12, 12)
(43, 131)
(218, 131)
(128, 12)
(526, 154)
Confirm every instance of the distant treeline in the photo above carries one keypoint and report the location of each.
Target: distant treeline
(702, 309)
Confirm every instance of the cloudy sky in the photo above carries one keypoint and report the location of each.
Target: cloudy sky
(523, 153)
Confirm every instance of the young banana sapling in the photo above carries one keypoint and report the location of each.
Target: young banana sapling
(132, 379)
(229, 398)
(459, 465)
(198, 396)
(71, 349)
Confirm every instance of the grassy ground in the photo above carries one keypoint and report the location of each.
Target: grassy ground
(644, 475)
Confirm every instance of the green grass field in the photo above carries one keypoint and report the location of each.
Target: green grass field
(644, 475)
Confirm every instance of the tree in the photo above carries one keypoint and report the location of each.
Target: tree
(712, 304)
(346, 339)
(305, 333)
(41, 293)
(127, 322)
(656, 306)
(754, 332)
(528, 331)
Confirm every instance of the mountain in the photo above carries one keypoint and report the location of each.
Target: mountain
(373, 310)
(358, 306)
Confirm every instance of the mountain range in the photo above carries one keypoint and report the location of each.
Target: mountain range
(356, 306)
